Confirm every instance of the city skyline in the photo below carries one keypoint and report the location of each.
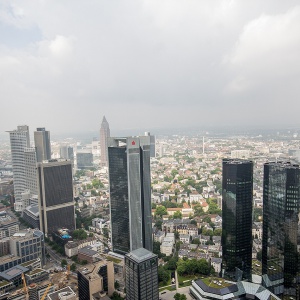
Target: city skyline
(182, 59)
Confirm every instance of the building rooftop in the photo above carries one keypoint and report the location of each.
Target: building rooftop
(140, 254)
(13, 272)
(65, 293)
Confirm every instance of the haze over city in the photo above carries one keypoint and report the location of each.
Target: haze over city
(149, 64)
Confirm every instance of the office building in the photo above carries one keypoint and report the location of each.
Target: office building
(67, 152)
(29, 245)
(56, 204)
(130, 196)
(141, 275)
(30, 171)
(104, 135)
(281, 199)
(84, 159)
(96, 280)
(42, 144)
(237, 194)
(152, 144)
(19, 141)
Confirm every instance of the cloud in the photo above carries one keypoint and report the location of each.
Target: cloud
(267, 52)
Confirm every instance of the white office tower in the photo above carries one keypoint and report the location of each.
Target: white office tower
(19, 141)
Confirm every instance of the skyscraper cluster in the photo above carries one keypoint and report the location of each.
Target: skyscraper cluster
(43, 188)
(281, 232)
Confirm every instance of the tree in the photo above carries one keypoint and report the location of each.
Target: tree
(218, 231)
(259, 255)
(163, 275)
(177, 215)
(196, 241)
(158, 224)
(64, 263)
(194, 222)
(117, 284)
(178, 296)
(161, 211)
(171, 264)
(79, 234)
(73, 267)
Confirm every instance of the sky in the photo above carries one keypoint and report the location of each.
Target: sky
(149, 64)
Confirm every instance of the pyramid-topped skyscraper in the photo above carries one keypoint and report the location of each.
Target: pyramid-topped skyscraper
(104, 134)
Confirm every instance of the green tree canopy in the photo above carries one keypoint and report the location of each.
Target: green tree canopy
(161, 211)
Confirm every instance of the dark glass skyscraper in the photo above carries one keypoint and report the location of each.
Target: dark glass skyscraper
(56, 203)
(280, 258)
(130, 193)
(141, 275)
(237, 186)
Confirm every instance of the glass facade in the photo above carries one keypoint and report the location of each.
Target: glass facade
(237, 193)
(56, 196)
(130, 193)
(141, 277)
(280, 258)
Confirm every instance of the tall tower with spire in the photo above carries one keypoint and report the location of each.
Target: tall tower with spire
(104, 134)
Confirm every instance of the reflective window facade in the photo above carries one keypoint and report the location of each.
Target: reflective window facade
(280, 263)
(130, 193)
(56, 196)
(237, 186)
(141, 275)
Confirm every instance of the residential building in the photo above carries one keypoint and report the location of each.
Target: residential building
(281, 203)
(237, 185)
(141, 275)
(96, 280)
(42, 144)
(19, 141)
(166, 248)
(56, 202)
(130, 193)
(104, 135)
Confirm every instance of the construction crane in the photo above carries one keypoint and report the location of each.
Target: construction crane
(46, 292)
(25, 288)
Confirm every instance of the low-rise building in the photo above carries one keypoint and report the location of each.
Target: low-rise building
(166, 248)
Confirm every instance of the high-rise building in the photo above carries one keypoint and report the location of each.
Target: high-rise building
(19, 141)
(96, 280)
(130, 193)
(84, 159)
(56, 204)
(237, 187)
(152, 144)
(281, 208)
(67, 152)
(141, 275)
(42, 144)
(30, 171)
(104, 134)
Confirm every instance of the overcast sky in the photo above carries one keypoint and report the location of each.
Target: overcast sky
(149, 63)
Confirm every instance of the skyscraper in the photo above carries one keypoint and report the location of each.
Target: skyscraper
(237, 187)
(281, 208)
(56, 204)
(130, 193)
(19, 141)
(42, 144)
(104, 134)
(141, 275)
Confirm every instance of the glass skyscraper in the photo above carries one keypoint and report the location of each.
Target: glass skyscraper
(141, 275)
(104, 135)
(130, 193)
(42, 144)
(280, 258)
(56, 203)
(237, 197)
